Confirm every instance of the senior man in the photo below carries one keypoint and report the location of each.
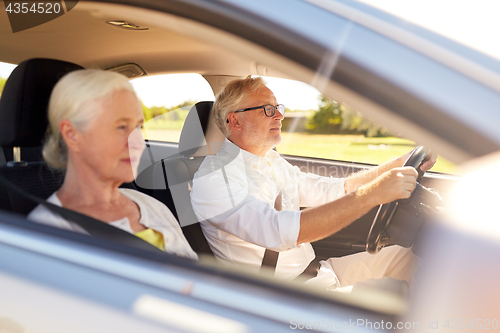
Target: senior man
(248, 198)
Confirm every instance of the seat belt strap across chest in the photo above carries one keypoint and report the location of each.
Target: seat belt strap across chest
(93, 226)
(270, 258)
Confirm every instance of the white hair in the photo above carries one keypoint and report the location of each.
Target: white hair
(68, 97)
(231, 98)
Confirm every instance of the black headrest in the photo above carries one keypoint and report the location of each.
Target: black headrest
(25, 98)
(195, 128)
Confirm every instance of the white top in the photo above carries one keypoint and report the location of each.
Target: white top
(233, 196)
(154, 215)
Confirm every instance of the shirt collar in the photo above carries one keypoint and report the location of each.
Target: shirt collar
(231, 148)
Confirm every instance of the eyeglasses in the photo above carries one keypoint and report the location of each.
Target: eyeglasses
(269, 110)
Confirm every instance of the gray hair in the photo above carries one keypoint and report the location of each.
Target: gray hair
(68, 97)
(231, 98)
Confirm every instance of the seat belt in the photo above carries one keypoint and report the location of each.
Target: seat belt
(93, 226)
(270, 258)
(3, 161)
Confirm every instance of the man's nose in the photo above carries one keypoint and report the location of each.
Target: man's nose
(278, 115)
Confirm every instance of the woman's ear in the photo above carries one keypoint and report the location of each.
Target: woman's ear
(69, 134)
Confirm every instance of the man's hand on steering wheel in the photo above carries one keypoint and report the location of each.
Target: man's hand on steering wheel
(394, 184)
(427, 165)
(419, 160)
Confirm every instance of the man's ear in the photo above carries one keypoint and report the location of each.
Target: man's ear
(69, 134)
(233, 121)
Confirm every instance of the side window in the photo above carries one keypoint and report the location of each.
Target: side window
(318, 126)
(167, 100)
(5, 70)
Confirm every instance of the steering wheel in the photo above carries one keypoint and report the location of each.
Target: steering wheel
(376, 240)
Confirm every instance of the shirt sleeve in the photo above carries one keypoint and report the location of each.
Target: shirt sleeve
(222, 198)
(317, 190)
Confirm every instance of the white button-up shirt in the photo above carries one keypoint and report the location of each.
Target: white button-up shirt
(233, 196)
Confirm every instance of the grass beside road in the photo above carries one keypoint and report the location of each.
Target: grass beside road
(355, 148)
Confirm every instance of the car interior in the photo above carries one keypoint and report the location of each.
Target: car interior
(150, 43)
(426, 88)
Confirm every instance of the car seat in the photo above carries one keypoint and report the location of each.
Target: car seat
(23, 123)
(173, 176)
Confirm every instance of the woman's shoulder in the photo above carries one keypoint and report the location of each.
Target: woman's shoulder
(42, 211)
(42, 214)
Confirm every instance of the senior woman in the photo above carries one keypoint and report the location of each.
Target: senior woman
(95, 122)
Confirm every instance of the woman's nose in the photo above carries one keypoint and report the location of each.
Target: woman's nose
(136, 139)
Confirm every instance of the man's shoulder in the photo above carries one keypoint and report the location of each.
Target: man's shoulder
(214, 168)
(222, 161)
(279, 161)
